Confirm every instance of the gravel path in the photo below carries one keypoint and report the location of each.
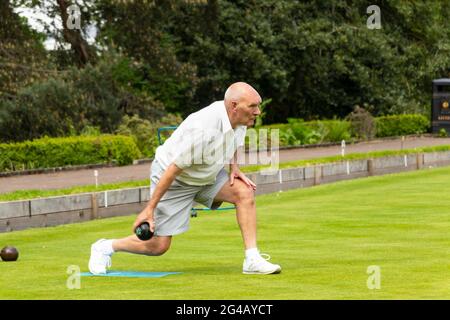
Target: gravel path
(81, 177)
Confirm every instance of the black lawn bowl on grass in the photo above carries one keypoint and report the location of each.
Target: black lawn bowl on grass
(9, 253)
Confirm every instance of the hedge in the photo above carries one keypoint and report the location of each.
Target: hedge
(399, 125)
(57, 152)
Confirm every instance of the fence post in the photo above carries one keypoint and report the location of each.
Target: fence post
(317, 175)
(370, 167)
(94, 206)
(419, 160)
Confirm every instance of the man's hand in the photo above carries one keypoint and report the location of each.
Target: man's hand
(235, 172)
(164, 183)
(145, 216)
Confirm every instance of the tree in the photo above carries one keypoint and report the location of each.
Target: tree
(22, 55)
(142, 31)
(318, 59)
(71, 44)
(73, 36)
(313, 59)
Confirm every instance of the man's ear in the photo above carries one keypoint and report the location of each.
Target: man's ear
(234, 106)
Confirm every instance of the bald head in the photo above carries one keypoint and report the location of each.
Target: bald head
(242, 103)
(239, 91)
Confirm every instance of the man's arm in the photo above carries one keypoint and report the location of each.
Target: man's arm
(164, 183)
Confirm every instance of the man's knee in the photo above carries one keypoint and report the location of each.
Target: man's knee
(160, 250)
(161, 246)
(244, 195)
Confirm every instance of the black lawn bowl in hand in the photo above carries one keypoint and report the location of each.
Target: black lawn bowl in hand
(9, 254)
(143, 231)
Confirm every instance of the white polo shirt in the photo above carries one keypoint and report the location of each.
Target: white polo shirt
(201, 145)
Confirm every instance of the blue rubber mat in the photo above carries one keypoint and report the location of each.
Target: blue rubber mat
(130, 274)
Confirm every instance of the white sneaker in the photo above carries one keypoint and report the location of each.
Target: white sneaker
(259, 265)
(100, 260)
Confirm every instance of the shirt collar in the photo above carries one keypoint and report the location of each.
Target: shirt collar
(226, 124)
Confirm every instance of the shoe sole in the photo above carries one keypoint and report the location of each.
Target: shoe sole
(277, 271)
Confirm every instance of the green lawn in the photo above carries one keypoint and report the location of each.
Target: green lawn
(324, 237)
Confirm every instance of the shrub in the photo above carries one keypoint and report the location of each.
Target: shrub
(299, 132)
(331, 130)
(363, 125)
(56, 152)
(64, 104)
(359, 124)
(398, 125)
(144, 132)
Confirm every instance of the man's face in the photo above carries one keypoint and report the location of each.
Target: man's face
(248, 109)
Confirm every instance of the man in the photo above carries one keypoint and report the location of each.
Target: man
(189, 167)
